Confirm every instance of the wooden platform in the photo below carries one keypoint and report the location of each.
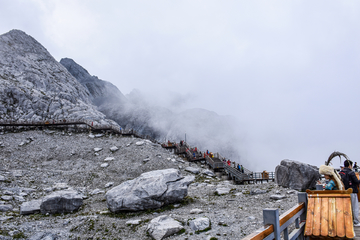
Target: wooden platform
(329, 215)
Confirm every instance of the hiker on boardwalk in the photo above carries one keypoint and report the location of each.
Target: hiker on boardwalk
(350, 181)
(334, 178)
(229, 162)
(242, 168)
(234, 165)
(238, 168)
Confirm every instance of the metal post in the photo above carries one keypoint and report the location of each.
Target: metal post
(302, 197)
(271, 216)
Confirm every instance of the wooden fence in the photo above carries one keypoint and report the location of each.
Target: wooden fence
(274, 224)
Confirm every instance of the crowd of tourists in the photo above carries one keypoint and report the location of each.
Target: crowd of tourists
(235, 165)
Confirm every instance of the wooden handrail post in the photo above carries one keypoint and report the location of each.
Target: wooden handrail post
(271, 216)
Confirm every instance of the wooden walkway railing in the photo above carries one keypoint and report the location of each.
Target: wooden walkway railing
(70, 122)
(274, 224)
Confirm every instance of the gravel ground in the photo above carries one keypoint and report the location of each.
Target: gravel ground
(35, 163)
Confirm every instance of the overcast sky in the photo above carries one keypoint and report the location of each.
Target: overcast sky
(288, 70)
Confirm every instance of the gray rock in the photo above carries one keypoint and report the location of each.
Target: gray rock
(99, 135)
(28, 190)
(114, 149)
(150, 190)
(19, 198)
(2, 178)
(109, 184)
(17, 173)
(30, 207)
(277, 197)
(44, 236)
(257, 191)
(192, 170)
(208, 173)
(97, 191)
(104, 165)
(140, 143)
(2, 219)
(60, 186)
(222, 191)
(196, 211)
(109, 159)
(7, 197)
(61, 202)
(291, 192)
(199, 224)
(7, 192)
(6, 207)
(163, 226)
(133, 222)
(296, 175)
(97, 149)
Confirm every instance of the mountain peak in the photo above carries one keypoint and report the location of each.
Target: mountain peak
(18, 41)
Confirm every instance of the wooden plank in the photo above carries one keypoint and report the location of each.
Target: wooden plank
(320, 192)
(325, 217)
(340, 222)
(349, 228)
(328, 195)
(309, 217)
(260, 233)
(332, 217)
(317, 215)
(290, 213)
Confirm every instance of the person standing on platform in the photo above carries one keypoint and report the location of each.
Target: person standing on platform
(356, 167)
(350, 181)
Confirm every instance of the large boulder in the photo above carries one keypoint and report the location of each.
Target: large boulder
(61, 202)
(296, 175)
(150, 190)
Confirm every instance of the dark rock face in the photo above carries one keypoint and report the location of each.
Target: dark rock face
(35, 87)
(296, 175)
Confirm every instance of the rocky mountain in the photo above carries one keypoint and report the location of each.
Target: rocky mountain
(35, 87)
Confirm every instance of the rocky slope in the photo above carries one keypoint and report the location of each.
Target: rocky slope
(37, 163)
(35, 87)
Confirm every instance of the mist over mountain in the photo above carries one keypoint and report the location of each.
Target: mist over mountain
(35, 87)
(204, 129)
